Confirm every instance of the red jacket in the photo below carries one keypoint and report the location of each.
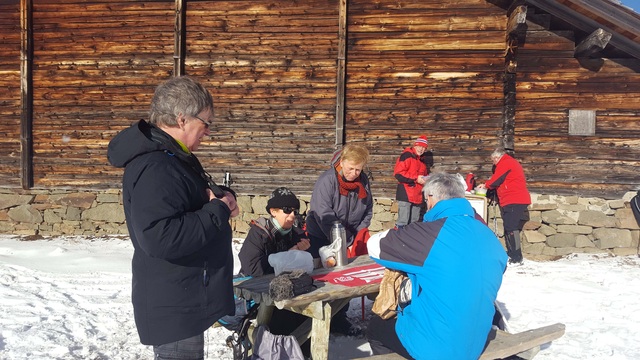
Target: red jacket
(510, 182)
(408, 167)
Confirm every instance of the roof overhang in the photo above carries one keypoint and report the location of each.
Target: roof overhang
(590, 15)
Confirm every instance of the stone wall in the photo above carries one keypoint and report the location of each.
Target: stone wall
(556, 225)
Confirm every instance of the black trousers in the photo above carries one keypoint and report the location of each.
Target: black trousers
(511, 217)
(383, 339)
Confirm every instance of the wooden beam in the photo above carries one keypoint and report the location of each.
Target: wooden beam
(587, 24)
(179, 37)
(517, 23)
(26, 93)
(513, 5)
(515, 36)
(341, 74)
(593, 43)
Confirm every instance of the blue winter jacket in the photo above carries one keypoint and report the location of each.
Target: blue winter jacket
(455, 264)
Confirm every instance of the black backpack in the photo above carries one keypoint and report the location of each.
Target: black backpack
(635, 206)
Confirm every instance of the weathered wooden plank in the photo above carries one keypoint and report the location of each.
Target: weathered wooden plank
(502, 345)
(569, 86)
(469, 20)
(408, 5)
(559, 64)
(490, 40)
(73, 14)
(264, 7)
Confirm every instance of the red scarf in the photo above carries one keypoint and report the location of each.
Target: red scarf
(346, 186)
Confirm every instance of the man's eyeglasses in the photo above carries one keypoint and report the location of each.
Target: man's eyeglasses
(206, 123)
(288, 210)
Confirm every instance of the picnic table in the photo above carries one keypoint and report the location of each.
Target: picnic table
(362, 276)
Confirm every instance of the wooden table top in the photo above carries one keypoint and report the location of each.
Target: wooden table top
(258, 288)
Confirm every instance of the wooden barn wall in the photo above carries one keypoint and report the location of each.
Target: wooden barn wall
(550, 82)
(10, 93)
(271, 68)
(425, 67)
(413, 67)
(96, 65)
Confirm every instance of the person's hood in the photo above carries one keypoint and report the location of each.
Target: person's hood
(450, 207)
(141, 138)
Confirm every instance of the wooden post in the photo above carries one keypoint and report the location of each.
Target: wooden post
(320, 335)
(341, 74)
(26, 93)
(516, 28)
(179, 37)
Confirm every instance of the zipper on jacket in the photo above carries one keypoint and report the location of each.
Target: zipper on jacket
(205, 275)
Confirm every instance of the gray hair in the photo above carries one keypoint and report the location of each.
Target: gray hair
(179, 95)
(443, 186)
(497, 153)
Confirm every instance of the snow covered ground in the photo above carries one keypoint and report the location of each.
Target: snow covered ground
(69, 298)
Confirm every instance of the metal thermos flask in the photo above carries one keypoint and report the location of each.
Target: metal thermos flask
(338, 233)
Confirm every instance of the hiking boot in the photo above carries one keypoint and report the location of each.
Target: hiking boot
(513, 263)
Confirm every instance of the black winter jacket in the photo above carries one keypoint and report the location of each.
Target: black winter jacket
(182, 261)
(263, 240)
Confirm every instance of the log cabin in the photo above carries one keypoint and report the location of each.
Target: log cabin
(556, 82)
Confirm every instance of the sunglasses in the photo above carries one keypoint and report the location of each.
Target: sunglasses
(288, 210)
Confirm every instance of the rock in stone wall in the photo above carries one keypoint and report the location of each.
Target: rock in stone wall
(560, 225)
(554, 225)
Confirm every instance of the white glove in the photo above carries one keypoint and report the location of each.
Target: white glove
(328, 254)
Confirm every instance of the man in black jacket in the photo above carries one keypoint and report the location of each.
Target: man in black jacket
(178, 220)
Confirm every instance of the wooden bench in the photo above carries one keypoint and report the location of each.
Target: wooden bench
(502, 344)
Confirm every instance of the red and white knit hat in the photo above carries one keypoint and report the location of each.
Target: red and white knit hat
(421, 141)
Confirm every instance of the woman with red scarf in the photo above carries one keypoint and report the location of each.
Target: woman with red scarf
(342, 194)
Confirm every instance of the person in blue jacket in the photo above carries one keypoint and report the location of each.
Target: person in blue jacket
(178, 220)
(455, 265)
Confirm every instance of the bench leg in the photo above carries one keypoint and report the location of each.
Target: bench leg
(320, 335)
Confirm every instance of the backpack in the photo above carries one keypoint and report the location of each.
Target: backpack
(470, 180)
(275, 347)
(635, 206)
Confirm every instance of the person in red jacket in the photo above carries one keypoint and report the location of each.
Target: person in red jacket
(511, 186)
(411, 172)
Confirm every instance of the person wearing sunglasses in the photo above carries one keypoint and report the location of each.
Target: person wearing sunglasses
(278, 232)
(275, 233)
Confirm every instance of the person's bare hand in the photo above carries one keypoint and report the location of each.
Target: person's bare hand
(421, 180)
(210, 194)
(228, 199)
(481, 186)
(303, 244)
